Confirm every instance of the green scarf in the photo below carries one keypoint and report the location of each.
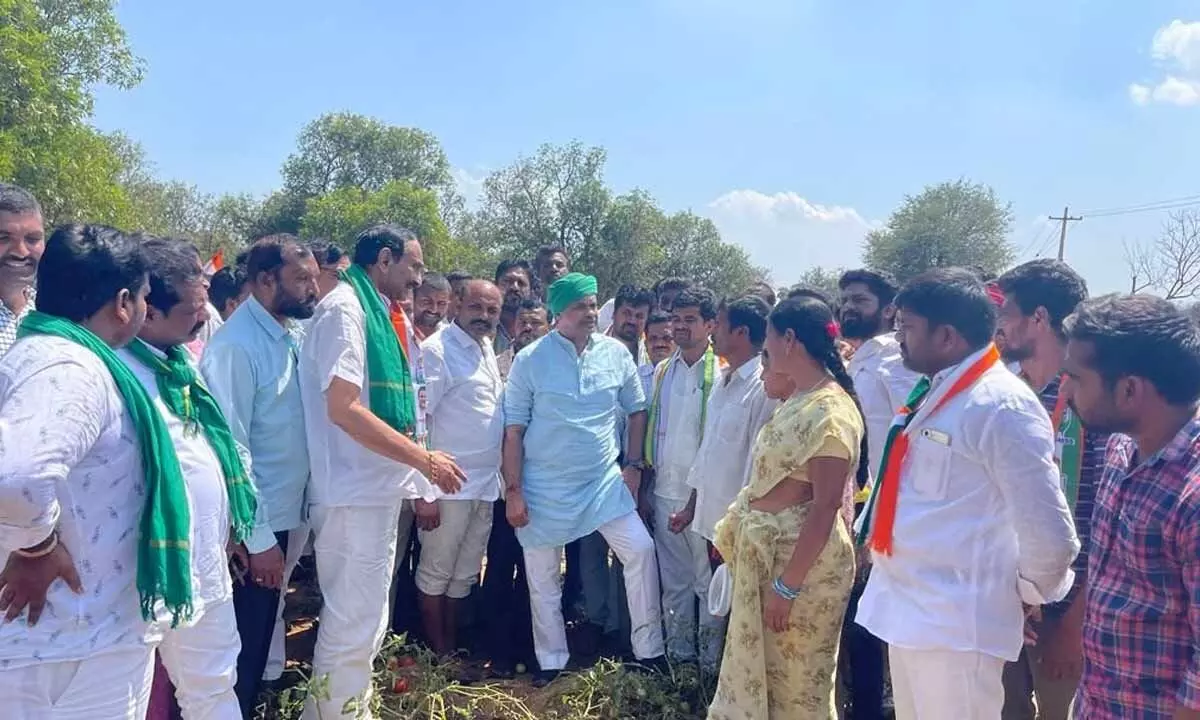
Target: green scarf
(662, 376)
(390, 394)
(164, 564)
(191, 402)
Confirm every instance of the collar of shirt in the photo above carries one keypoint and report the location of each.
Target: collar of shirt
(267, 321)
(566, 344)
(746, 371)
(1178, 449)
(872, 349)
(462, 338)
(940, 376)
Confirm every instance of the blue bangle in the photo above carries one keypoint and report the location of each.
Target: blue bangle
(784, 591)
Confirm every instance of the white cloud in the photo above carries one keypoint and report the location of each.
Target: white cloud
(1176, 47)
(787, 233)
(469, 183)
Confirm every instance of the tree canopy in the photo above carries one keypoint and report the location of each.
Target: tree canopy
(952, 223)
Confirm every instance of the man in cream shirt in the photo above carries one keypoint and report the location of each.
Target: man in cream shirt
(971, 521)
(463, 391)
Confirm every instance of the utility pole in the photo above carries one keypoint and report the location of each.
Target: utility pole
(1062, 235)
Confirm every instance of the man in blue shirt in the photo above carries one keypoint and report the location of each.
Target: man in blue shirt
(565, 395)
(250, 367)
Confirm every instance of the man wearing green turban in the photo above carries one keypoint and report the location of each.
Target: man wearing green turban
(566, 394)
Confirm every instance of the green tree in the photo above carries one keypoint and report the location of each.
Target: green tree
(52, 52)
(340, 215)
(956, 223)
(692, 248)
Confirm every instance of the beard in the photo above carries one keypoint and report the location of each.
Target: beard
(295, 308)
(627, 332)
(1015, 353)
(860, 327)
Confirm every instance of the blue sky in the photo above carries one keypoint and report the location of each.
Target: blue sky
(796, 125)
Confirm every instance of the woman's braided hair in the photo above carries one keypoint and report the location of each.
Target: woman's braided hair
(812, 322)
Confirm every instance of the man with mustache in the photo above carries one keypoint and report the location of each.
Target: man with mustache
(1133, 367)
(463, 390)
(882, 384)
(565, 394)
(215, 495)
(22, 239)
(660, 342)
(515, 280)
(250, 366)
(967, 520)
(362, 387)
(683, 384)
(532, 323)
(550, 264)
(431, 303)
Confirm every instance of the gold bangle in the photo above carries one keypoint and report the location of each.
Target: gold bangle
(35, 554)
(433, 476)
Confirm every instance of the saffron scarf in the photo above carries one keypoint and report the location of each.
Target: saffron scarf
(190, 401)
(879, 519)
(164, 549)
(390, 393)
(1069, 437)
(659, 408)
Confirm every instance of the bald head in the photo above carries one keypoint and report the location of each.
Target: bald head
(479, 308)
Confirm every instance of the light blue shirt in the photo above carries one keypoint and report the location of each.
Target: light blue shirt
(570, 405)
(250, 368)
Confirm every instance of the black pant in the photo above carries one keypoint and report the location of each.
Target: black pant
(506, 594)
(255, 607)
(866, 663)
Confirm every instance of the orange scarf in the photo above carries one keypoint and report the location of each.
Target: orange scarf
(400, 323)
(887, 493)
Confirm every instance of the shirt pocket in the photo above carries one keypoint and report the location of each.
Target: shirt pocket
(929, 465)
(731, 426)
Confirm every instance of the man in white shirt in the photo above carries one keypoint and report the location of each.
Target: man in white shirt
(431, 303)
(683, 384)
(22, 238)
(201, 653)
(251, 368)
(466, 420)
(882, 384)
(365, 422)
(737, 410)
(968, 520)
(70, 476)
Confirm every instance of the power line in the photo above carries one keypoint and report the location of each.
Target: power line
(1145, 207)
(1062, 237)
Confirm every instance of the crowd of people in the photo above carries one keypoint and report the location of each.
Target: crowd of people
(966, 497)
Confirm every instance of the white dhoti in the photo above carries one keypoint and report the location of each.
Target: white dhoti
(686, 573)
(201, 660)
(113, 685)
(633, 546)
(355, 551)
(946, 684)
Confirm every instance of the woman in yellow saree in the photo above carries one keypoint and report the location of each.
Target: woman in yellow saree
(789, 553)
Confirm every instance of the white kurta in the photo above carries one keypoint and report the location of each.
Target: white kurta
(981, 526)
(882, 384)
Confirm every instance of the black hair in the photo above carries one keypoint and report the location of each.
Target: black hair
(373, 240)
(669, 284)
(457, 276)
(985, 276)
(434, 282)
(1141, 336)
(531, 303)
(506, 265)
(266, 254)
(545, 252)
(1047, 283)
(18, 200)
(809, 320)
(326, 253)
(881, 285)
(657, 317)
(699, 298)
(634, 296)
(750, 312)
(242, 258)
(84, 267)
(762, 289)
(226, 284)
(806, 291)
(953, 297)
(173, 265)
